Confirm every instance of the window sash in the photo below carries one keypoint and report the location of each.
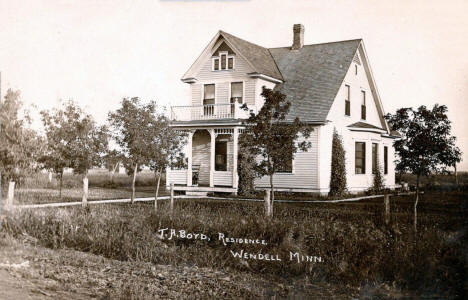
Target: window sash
(360, 158)
(230, 63)
(347, 100)
(216, 64)
(209, 92)
(237, 91)
(375, 151)
(385, 160)
(223, 61)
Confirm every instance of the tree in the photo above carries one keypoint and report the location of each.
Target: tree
(165, 148)
(19, 145)
(74, 140)
(129, 125)
(112, 161)
(378, 180)
(338, 167)
(271, 138)
(426, 144)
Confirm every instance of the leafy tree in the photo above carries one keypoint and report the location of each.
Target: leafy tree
(378, 180)
(130, 125)
(165, 148)
(246, 171)
(19, 145)
(338, 167)
(271, 138)
(426, 144)
(74, 140)
(112, 160)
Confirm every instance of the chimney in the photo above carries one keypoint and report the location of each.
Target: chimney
(298, 40)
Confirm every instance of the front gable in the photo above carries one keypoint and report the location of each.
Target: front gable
(359, 88)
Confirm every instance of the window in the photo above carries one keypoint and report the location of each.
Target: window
(363, 105)
(237, 89)
(375, 149)
(385, 152)
(224, 61)
(355, 69)
(208, 99)
(347, 100)
(221, 156)
(360, 158)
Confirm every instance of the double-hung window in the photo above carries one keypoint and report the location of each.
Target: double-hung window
(347, 100)
(360, 158)
(208, 99)
(237, 93)
(363, 105)
(385, 153)
(375, 151)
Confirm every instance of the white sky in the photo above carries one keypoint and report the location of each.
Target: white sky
(97, 52)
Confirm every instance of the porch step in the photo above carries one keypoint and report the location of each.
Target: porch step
(196, 193)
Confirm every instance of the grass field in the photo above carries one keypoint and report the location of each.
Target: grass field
(359, 251)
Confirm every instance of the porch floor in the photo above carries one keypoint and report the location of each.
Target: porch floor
(222, 189)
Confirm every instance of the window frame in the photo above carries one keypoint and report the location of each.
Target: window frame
(206, 110)
(243, 91)
(220, 61)
(347, 100)
(385, 160)
(225, 143)
(363, 158)
(375, 158)
(363, 105)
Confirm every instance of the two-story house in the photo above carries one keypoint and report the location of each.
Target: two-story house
(329, 86)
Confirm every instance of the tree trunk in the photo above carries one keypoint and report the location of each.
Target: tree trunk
(84, 201)
(172, 199)
(133, 183)
(1, 200)
(387, 208)
(267, 203)
(11, 193)
(416, 205)
(111, 176)
(157, 191)
(60, 187)
(272, 199)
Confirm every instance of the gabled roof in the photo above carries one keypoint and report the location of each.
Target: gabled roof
(313, 76)
(259, 57)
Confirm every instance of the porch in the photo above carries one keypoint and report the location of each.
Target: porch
(209, 112)
(211, 161)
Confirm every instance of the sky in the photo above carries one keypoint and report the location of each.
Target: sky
(97, 52)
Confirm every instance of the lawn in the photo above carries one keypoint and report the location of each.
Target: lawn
(357, 250)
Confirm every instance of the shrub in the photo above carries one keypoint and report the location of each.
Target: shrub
(378, 181)
(338, 167)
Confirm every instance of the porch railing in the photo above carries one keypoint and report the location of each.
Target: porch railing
(208, 112)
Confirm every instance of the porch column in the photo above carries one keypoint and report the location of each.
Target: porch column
(189, 158)
(235, 139)
(212, 156)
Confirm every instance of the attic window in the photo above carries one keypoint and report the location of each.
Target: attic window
(223, 61)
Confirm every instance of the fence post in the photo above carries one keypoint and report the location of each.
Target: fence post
(11, 193)
(387, 208)
(267, 203)
(172, 198)
(84, 201)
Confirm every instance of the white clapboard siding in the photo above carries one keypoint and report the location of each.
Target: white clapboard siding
(305, 173)
(240, 71)
(250, 91)
(196, 91)
(176, 176)
(222, 92)
(223, 178)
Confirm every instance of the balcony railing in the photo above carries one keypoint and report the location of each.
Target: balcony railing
(208, 112)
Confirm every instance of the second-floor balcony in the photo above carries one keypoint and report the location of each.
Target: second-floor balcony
(208, 112)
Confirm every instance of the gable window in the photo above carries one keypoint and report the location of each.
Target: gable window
(347, 100)
(216, 63)
(223, 61)
(360, 158)
(385, 153)
(355, 69)
(208, 99)
(363, 105)
(375, 149)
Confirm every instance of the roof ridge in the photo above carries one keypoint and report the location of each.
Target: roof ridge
(325, 43)
(222, 31)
